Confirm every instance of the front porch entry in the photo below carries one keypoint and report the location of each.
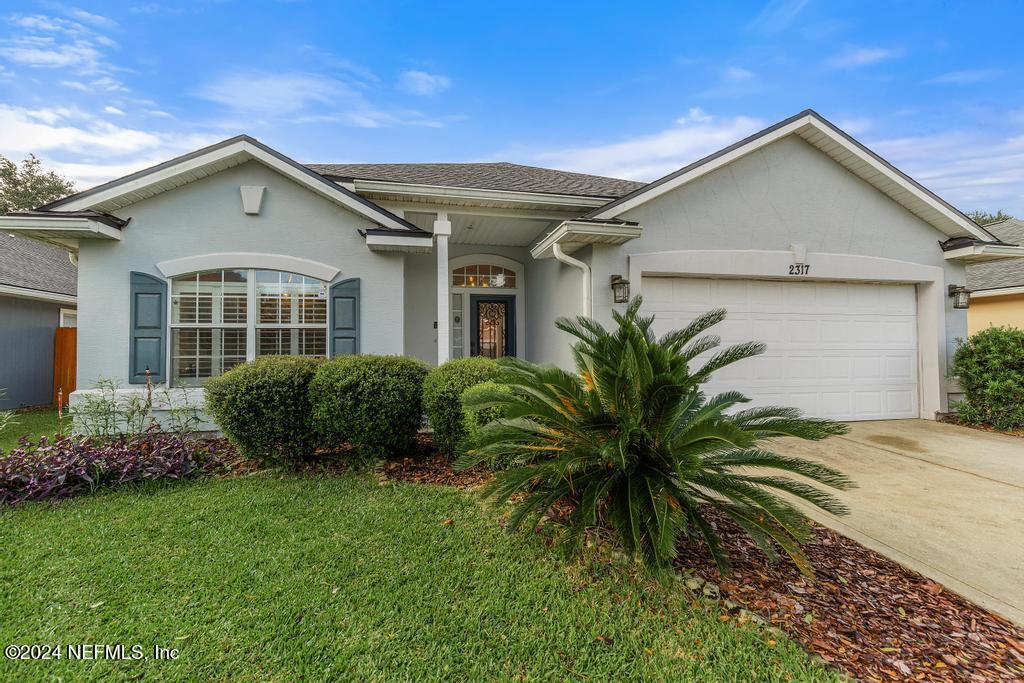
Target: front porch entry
(487, 302)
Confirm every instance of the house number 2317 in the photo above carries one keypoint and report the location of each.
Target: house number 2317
(799, 269)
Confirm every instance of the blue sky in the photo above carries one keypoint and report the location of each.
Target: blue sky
(625, 89)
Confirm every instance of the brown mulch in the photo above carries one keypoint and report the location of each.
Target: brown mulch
(435, 469)
(864, 613)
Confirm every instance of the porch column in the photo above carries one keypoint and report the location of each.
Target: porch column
(442, 230)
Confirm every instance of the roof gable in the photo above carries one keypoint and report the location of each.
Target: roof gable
(838, 145)
(207, 161)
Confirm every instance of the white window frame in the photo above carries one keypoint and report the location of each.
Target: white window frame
(68, 311)
(251, 325)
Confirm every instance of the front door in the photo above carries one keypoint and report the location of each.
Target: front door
(493, 325)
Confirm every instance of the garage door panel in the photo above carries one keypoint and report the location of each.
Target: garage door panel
(839, 350)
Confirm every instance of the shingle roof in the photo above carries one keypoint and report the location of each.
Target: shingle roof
(485, 176)
(998, 274)
(36, 265)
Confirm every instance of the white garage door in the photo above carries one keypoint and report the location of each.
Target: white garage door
(839, 350)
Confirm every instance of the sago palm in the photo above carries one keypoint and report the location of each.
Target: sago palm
(635, 445)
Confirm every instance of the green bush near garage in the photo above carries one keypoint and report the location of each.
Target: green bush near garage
(442, 397)
(263, 408)
(990, 369)
(374, 403)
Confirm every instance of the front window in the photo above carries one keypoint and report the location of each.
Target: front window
(221, 318)
(484, 275)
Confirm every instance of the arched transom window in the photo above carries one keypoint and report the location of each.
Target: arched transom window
(221, 318)
(484, 275)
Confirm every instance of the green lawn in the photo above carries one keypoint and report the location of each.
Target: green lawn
(34, 422)
(284, 578)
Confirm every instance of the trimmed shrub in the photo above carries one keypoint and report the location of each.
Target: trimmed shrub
(990, 368)
(482, 404)
(442, 397)
(65, 467)
(371, 402)
(263, 407)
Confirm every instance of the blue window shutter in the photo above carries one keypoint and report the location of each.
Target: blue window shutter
(148, 338)
(345, 318)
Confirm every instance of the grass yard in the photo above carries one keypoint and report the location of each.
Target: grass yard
(33, 422)
(284, 578)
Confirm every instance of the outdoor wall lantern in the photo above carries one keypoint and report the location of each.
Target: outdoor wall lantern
(960, 295)
(620, 289)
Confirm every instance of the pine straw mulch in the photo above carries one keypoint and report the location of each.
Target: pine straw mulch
(864, 613)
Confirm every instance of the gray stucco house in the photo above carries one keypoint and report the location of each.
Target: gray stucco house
(37, 294)
(817, 246)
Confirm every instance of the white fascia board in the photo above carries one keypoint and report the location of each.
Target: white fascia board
(58, 227)
(809, 120)
(999, 291)
(442, 192)
(572, 233)
(405, 243)
(37, 295)
(241, 151)
(89, 201)
(977, 253)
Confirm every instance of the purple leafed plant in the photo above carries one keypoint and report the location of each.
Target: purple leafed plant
(68, 466)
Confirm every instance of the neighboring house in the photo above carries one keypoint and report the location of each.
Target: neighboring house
(997, 288)
(815, 245)
(37, 295)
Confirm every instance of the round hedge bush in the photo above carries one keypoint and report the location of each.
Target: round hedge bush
(263, 407)
(372, 402)
(442, 397)
(990, 368)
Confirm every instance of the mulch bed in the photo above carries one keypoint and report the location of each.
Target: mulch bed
(985, 427)
(864, 613)
(430, 467)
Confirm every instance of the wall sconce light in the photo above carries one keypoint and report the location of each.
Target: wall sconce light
(620, 289)
(960, 295)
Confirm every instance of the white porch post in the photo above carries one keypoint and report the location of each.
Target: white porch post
(442, 229)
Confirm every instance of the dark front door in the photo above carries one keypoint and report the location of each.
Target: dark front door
(493, 320)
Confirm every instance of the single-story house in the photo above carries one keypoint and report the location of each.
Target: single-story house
(997, 288)
(817, 246)
(37, 295)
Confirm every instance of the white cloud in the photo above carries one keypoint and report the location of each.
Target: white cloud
(90, 18)
(967, 76)
(648, 157)
(86, 148)
(856, 126)
(853, 56)
(976, 169)
(45, 52)
(738, 74)
(113, 110)
(776, 16)
(423, 83)
(305, 98)
(273, 94)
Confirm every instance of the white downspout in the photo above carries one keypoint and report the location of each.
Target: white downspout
(556, 249)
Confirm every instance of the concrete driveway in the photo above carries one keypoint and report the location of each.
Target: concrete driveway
(944, 500)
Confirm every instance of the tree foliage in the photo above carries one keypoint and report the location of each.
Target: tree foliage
(30, 185)
(637, 448)
(984, 217)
